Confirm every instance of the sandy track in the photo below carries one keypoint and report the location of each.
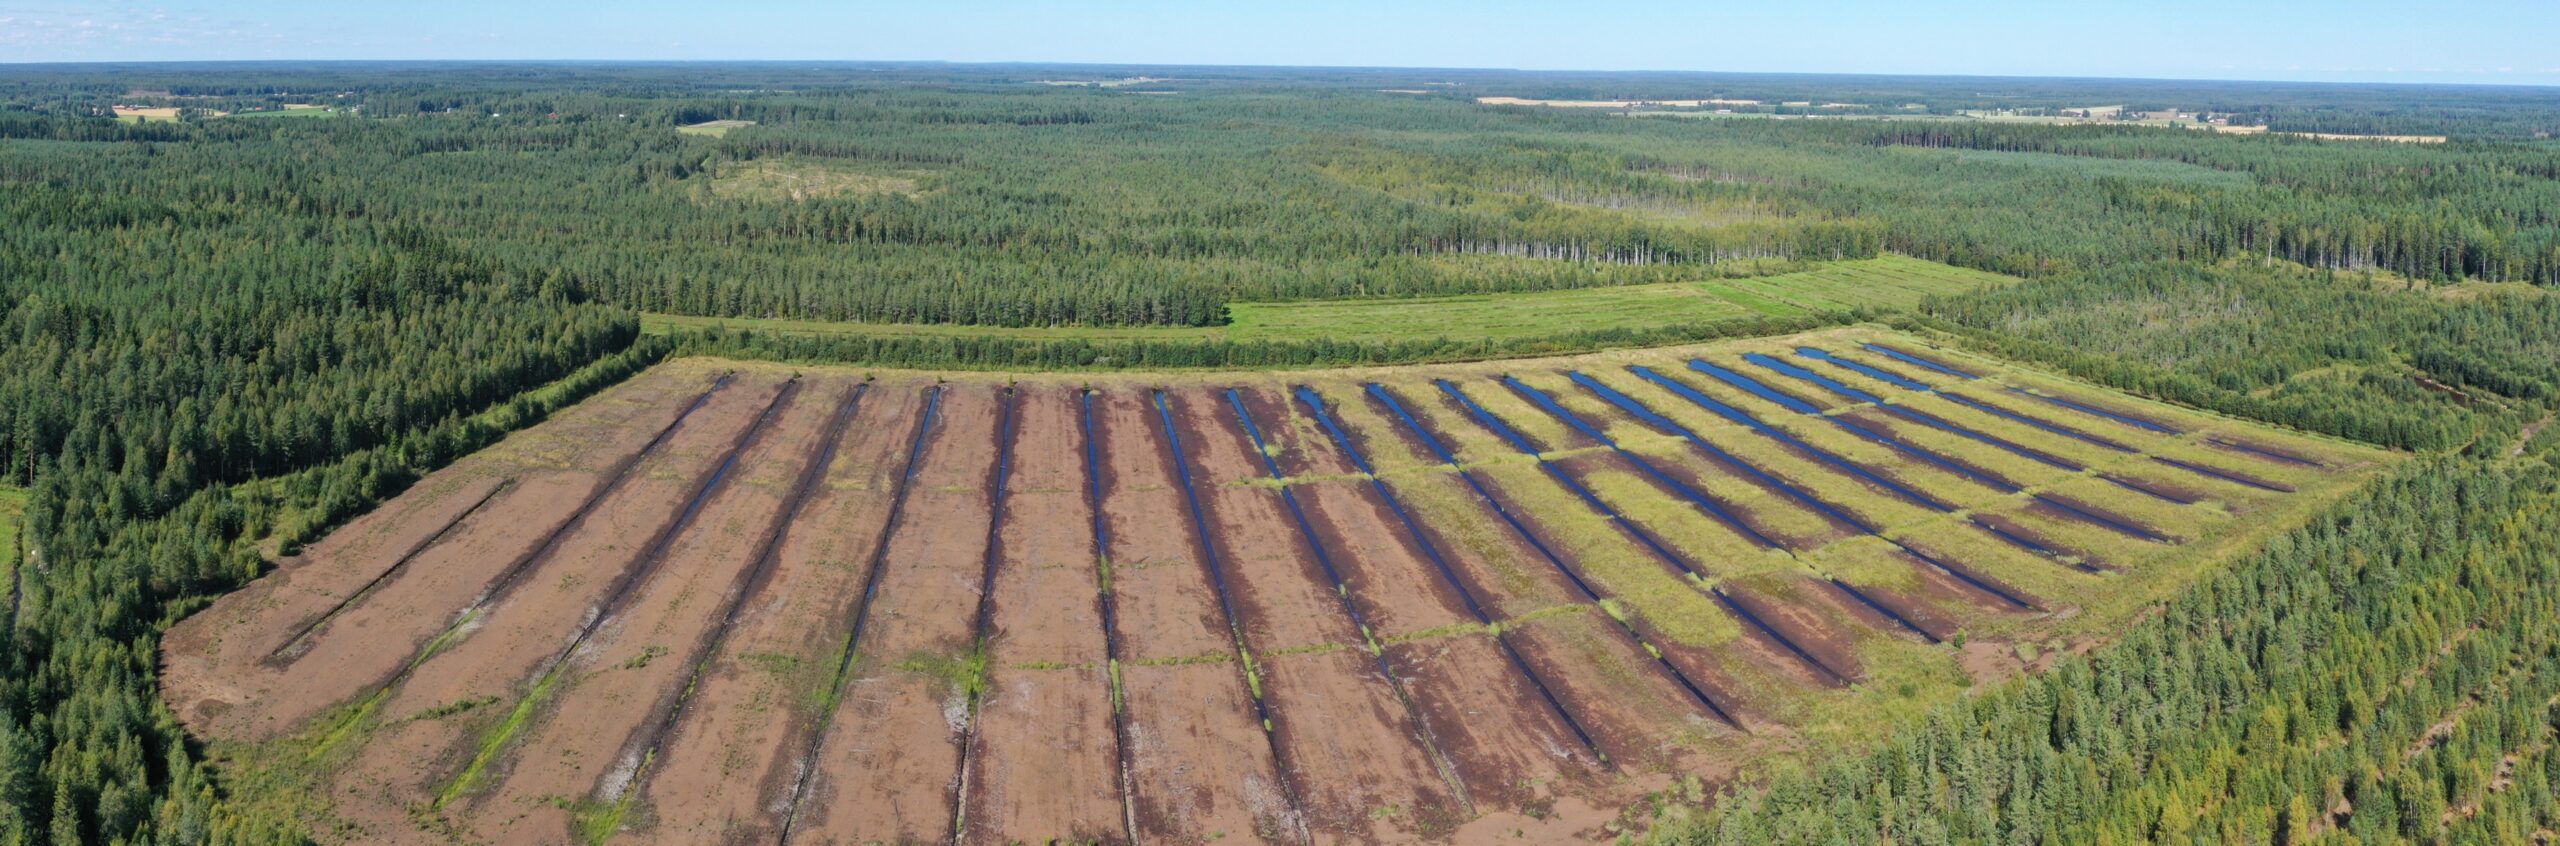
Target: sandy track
(1046, 764)
(732, 755)
(889, 763)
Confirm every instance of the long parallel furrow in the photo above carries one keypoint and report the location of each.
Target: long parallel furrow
(1790, 441)
(1910, 384)
(1918, 361)
(2100, 413)
(1835, 512)
(399, 565)
(2076, 511)
(845, 663)
(607, 608)
(2033, 545)
(1003, 472)
(1350, 610)
(2256, 451)
(1227, 605)
(2040, 424)
(1649, 416)
(1448, 576)
(1930, 457)
(1571, 573)
(749, 585)
(1110, 614)
(2233, 477)
(1933, 421)
(1713, 507)
(2148, 489)
(1647, 539)
(614, 477)
(1627, 524)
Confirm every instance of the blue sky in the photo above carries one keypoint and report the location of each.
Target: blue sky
(2492, 41)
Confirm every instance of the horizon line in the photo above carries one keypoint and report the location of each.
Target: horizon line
(2554, 83)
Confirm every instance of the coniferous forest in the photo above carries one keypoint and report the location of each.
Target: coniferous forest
(224, 333)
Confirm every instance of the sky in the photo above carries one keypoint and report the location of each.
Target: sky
(2459, 41)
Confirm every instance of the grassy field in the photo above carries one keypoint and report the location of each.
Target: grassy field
(796, 178)
(715, 128)
(286, 113)
(1883, 282)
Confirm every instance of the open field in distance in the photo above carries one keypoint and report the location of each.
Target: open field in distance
(713, 128)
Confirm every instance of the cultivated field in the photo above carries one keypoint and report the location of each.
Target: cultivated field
(143, 115)
(731, 602)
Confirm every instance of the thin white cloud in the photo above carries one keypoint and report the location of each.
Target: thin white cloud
(120, 30)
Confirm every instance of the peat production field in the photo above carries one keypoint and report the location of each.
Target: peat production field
(733, 602)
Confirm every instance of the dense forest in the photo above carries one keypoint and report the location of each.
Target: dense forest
(1024, 205)
(2389, 674)
(220, 336)
(2326, 352)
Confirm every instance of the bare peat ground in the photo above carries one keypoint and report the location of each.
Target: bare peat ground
(887, 759)
(739, 603)
(1048, 759)
(731, 756)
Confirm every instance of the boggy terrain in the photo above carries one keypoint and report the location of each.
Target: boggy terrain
(734, 602)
